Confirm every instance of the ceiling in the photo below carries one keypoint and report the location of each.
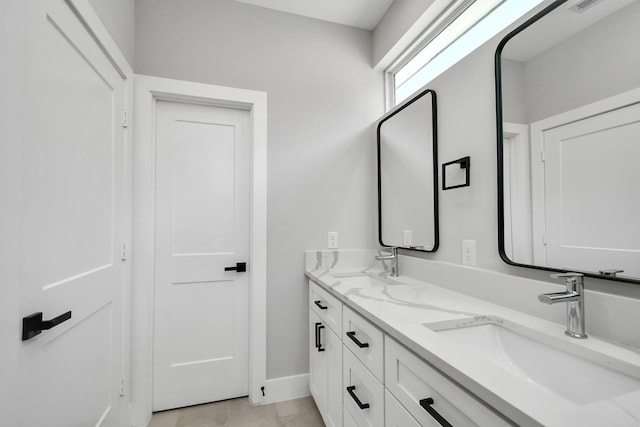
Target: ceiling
(363, 14)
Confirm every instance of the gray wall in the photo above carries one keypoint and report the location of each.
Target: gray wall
(466, 126)
(118, 17)
(400, 16)
(610, 66)
(582, 69)
(323, 100)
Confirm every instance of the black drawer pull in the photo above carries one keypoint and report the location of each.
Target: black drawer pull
(352, 335)
(320, 306)
(426, 404)
(361, 405)
(33, 324)
(319, 327)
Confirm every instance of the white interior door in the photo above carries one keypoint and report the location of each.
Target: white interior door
(201, 326)
(598, 228)
(71, 232)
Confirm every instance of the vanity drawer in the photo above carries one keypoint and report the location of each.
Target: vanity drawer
(395, 415)
(363, 394)
(365, 341)
(412, 380)
(328, 307)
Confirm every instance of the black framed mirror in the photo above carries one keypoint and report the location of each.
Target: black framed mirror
(568, 126)
(408, 175)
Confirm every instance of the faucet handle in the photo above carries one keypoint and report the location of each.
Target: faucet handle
(570, 274)
(610, 273)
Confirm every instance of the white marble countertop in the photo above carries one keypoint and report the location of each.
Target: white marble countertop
(400, 306)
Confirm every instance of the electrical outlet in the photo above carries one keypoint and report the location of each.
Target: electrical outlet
(332, 240)
(407, 237)
(469, 252)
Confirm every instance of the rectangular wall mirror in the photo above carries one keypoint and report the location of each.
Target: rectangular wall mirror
(568, 120)
(408, 175)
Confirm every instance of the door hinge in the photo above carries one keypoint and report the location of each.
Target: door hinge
(542, 156)
(544, 239)
(125, 122)
(124, 252)
(122, 385)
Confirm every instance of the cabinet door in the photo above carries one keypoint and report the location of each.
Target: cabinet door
(317, 364)
(333, 353)
(395, 415)
(325, 367)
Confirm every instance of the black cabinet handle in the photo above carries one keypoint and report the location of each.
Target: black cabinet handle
(361, 405)
(426, 404)
(352, 335)
(320, 306)
(240, 267)
(317, 340)
(33, 324)
(319, 326)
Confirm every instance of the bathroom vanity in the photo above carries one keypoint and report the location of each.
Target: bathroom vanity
(400, 352)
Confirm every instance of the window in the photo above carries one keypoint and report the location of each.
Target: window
(468, 25)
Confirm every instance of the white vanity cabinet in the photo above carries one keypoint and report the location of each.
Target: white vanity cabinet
(325, 354)
(361, 377)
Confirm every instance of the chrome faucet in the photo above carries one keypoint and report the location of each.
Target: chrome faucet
(574, 297)
(393, 257)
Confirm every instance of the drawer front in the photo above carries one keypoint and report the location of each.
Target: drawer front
(395, 415)
(361, 388)
(365, 341)
(412, 381)
(328, 307)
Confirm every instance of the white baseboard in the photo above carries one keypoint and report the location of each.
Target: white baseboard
(287, 388)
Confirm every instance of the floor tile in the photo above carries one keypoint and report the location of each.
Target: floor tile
(164, 419)
(208, 415)
(242, 414)
(302, 420)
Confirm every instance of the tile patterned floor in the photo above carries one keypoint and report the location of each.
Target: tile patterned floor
(238, 413)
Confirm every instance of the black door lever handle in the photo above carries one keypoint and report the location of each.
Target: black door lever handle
(33, 324)
(240, 267)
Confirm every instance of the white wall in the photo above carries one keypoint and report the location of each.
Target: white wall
(118, 18)
(323, 100)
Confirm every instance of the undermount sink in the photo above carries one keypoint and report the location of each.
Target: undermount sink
(359, 280)
(557, 366)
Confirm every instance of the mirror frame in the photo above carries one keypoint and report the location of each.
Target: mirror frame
(500, 137)
(434, 136)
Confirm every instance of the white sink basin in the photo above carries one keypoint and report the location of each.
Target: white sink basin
(557, 366)
(359, 280)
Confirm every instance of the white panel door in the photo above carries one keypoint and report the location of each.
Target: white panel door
(201, 334)
(598, 228)
(71, 230)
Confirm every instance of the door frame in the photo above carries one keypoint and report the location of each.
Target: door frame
(148, 91)
(537, 129)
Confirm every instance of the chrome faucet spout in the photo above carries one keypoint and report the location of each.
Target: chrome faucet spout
(393, 257)
(557, 297)
(574, 297)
